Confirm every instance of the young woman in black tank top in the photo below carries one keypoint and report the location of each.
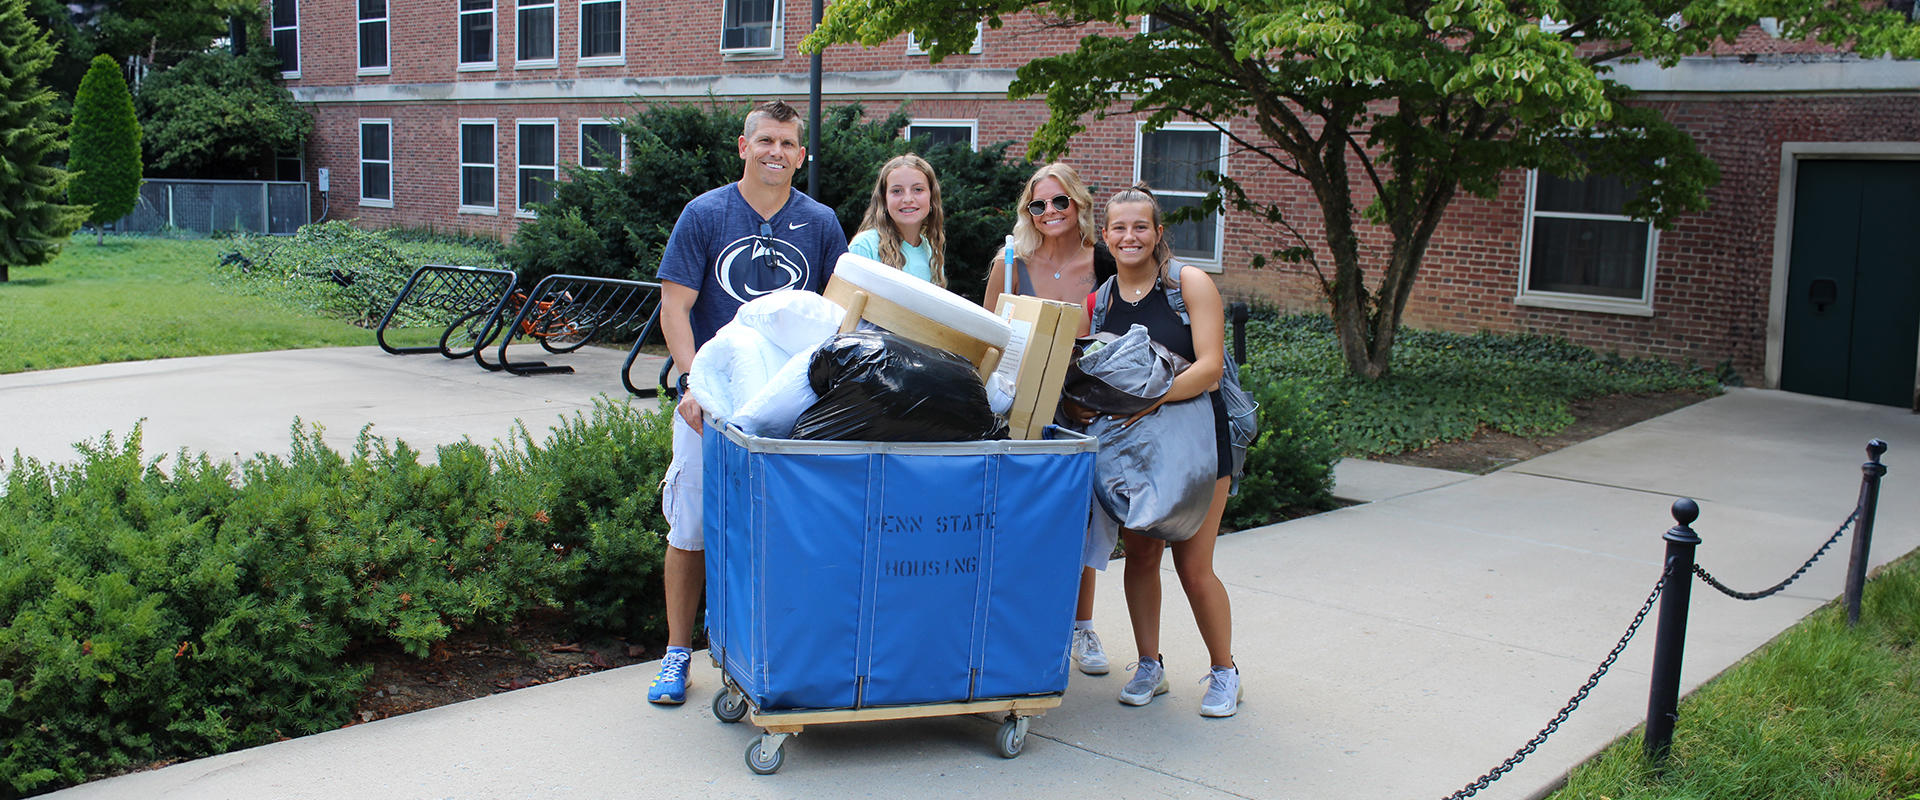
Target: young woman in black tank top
(1136, 238)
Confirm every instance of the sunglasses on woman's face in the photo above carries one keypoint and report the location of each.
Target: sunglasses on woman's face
(1038, 207)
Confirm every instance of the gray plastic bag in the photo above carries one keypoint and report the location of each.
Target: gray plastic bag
(1156, 476)
(1120, 373)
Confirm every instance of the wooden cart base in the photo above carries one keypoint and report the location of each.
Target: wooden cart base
(765, 754)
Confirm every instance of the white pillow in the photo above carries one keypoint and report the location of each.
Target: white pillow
(772, 410)
(793, 320)
(731, 367)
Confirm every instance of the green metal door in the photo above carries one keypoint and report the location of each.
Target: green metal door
(1853, 282)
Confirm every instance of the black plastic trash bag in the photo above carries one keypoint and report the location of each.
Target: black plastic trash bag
(1120, 373)
(879, 387)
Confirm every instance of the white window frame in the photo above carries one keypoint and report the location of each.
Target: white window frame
(386, 59)
(1146, 23)
(1217, 263)
(360, 148)
(520, 168)
(550, 62)
(493, 163)
(493, 32)
(777, 36)
(620, 53)
(273, 37)
(979, 40)
(1573, 301)
(581, 141)
(972, 126)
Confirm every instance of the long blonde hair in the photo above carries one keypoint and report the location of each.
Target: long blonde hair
(1026, 238)
(933, 231)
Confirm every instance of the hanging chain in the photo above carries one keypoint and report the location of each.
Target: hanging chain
(1776, 588)
(1540, 738)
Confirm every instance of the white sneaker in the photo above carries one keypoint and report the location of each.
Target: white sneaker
(1149, 679)
(1223, 692)
(1088, 653)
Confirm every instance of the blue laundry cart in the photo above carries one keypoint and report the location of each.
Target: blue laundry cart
(857, 581)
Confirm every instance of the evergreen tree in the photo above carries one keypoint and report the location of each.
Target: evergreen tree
(33, 225)
(105, 154)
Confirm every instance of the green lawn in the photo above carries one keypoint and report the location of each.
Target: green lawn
(1824, 712)
(139, 298)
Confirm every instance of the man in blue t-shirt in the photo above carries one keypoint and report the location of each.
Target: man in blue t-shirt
(733, 244)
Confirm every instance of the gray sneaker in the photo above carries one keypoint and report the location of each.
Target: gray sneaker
(1223, 692)
(1088, 653)
(1149, 679)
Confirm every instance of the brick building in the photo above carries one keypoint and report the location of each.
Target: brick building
(1803, 274)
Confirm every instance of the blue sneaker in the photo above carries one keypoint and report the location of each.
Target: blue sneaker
(669, 688)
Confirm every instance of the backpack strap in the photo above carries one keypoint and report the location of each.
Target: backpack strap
(1174, 267)
(1100, 305)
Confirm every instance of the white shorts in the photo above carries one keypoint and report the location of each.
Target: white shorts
(1103, 532)
(681, 489)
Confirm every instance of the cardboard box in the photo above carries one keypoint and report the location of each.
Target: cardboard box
(1036, 358)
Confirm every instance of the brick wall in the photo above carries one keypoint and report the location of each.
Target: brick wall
(1710, 283)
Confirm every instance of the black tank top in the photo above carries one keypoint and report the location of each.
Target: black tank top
(1153, 311)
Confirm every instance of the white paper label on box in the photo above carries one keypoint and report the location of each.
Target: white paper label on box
(1020, 331)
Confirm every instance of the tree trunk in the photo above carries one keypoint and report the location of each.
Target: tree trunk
(99, 234)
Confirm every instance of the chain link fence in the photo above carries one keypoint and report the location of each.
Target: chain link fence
(209, 206)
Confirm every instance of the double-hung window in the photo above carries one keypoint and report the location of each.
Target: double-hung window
(749, 27)
(478, 158)
(602, 32)
(476, 34)
(1173, 162)
(539, 164)
(936, 132)
(1582, 251)
(601, 145)
(286, 36)
(376, 163)
(373, 37)
(535, 34)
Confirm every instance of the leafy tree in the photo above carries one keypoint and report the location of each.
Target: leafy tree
(615, 224)
(33, 224)
(218, 115)
(1385, 109)
(106, 147)
(157, 32)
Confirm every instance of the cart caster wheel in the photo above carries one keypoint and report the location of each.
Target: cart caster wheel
(1012, 738)
(763, 762)
(729, 706)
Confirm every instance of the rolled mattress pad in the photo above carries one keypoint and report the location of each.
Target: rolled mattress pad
(923, 298)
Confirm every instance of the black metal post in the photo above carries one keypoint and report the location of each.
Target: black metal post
(1870, 473)
(1239, 315)
(813, 114)
(1663, 698)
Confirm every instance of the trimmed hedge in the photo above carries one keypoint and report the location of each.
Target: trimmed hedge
(157, 613)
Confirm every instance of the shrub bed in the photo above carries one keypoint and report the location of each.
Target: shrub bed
(158, 613)
(1448, 386)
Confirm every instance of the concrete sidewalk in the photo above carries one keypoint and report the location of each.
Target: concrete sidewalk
(1395, 649)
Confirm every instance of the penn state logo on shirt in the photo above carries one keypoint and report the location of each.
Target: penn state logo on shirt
(754, 266)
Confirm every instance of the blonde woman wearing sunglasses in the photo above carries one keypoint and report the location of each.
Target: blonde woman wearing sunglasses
(1052, 254)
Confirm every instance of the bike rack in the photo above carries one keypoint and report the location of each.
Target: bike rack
(469, 296)
(565, 312)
